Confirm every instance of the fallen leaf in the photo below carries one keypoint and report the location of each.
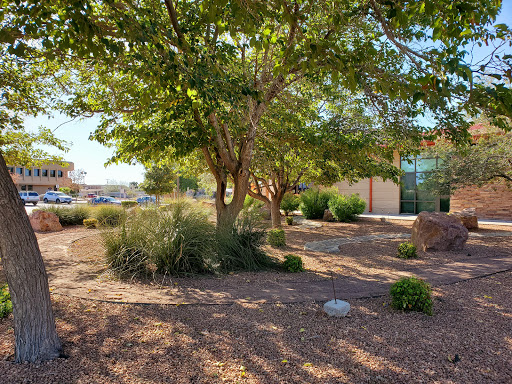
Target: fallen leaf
(308, 365)
(302, 330)
(284, 361)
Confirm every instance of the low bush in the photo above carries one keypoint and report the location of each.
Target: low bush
(90, 223)
(293, 263)
(406, 250)
(109, 215)
(289, 220)
(177, 241)
(240, 247)
(5, 301)
(346, 208)
(314, 202)
(129, 204)
(276, 237)
(290, 203)
(74, 215)
(412, 294)
(254, 208)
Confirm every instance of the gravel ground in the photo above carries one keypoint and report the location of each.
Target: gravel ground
(288, 343)
(277, 343)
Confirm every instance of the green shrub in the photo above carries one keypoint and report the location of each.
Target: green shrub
(289, 220)
(290, 203)
(240, 247)
(293, 263)
(314, 202)
(276, 237)
(74, 215)
(412, 294)
(406, 251)
(128, 204)
(5, 301)
(90, 223)
(109, 215)
(253, 207)
(346, 208)
(179, 240)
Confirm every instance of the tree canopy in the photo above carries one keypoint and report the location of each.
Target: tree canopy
(171, 78)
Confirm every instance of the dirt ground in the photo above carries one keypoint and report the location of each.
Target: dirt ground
(286, 343)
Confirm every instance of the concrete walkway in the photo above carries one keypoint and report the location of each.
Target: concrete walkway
(78, 279)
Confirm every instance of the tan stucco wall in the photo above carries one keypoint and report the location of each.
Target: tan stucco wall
(40, 184)
(386, 194)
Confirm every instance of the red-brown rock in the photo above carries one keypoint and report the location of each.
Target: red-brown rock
(437, 231)
(45, 221)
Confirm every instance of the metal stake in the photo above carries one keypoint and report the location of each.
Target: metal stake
(333, 289)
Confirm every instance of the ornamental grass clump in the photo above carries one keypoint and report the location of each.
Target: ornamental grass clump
(276, 237)
(406, 250)
(314, 202)
(293, 263)
(412, 294)
(74, 215)
(128, 204)
(177, 241)
(346, 208)
(109, 215)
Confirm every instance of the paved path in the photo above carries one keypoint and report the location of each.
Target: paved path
(79, 279)
(332, 245)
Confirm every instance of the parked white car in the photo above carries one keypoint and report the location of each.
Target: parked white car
(29, 197)
(57, 197)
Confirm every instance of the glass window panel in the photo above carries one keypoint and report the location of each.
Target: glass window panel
(406, 207)
(52, 173)
(45, 172)
(408, 186)
(423, 165)
(444, 204)
(37, 172)
(19, 171)
(423, 206)
(28, 172)
(405, 166)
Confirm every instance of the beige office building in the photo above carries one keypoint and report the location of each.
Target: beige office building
(40, 179)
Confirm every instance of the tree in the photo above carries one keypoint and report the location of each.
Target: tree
(159, 179)
(487, 159)
(35, 333)
(313, 139)
(178, 77)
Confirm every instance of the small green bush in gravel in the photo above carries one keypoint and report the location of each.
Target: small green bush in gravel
(346, 208)
(5, 302)
(289, 220)
(406, 250)
(90, 223)
(73, 215)
(276, 237)
(290, 203)
(412, 294)
(293, 263)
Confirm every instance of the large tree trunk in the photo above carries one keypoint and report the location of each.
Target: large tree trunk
(275, 210)
(34, 325)
(227, 213)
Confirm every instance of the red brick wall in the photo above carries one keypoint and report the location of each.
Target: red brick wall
(493, 201)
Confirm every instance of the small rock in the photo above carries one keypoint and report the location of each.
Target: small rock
(328, 216)
(338, 308)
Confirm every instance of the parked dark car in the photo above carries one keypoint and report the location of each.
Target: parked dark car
(146, 199)
(104, 200)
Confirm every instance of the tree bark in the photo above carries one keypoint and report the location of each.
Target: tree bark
(275, 211)
(34, 324)
(227, 213)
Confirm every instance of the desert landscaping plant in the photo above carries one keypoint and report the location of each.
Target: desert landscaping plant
(290, 203)
(412, 294)
(289, 220)
(128, 204)
(90, 223)
(346, 208)
(73, 215)
(407, 250)
(276, 237)
(293, 263)
(5, 301)
(109, 215)
(314, 202)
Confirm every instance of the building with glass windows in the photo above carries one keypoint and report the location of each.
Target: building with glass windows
(40, 179)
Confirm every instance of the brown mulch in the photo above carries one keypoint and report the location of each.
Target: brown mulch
(277, 343)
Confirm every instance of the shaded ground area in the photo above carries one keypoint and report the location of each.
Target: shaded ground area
(248, 343)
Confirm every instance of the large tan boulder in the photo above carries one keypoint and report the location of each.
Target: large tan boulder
(45, 221)
(437, 231)
(467, 217)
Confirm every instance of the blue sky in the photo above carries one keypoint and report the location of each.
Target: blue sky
(91, 156)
